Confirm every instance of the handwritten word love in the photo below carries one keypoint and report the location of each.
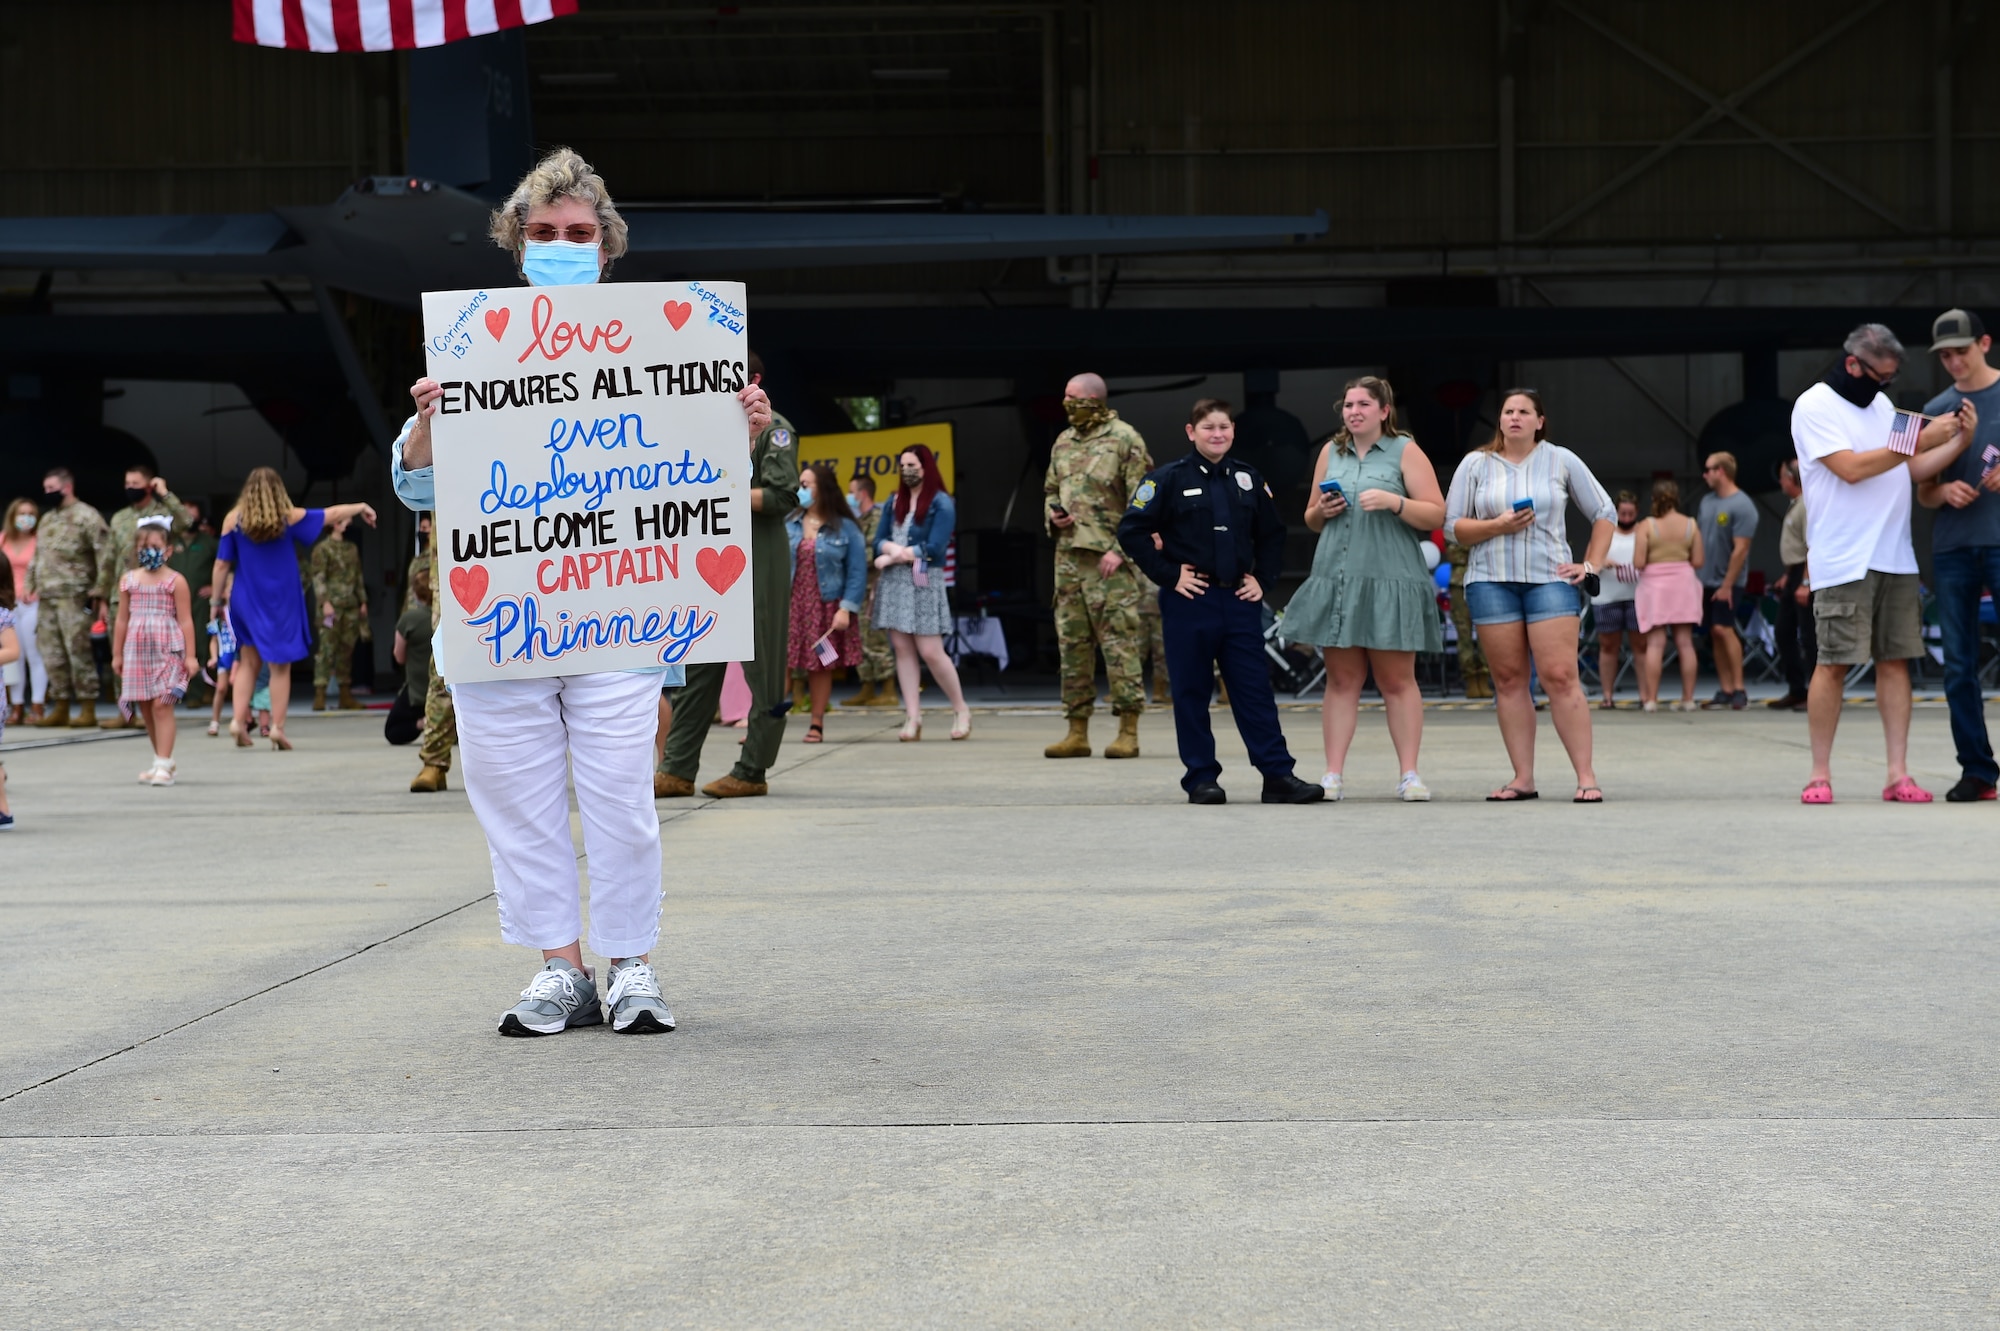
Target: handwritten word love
(554, 338)
(514, 630)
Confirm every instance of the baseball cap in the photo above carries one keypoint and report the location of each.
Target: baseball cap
(1956, 328)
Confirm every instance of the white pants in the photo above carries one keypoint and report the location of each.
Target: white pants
(518, 739)
(27, 679)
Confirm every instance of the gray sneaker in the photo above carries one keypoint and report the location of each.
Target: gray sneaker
(636, 1005)
(561, 996)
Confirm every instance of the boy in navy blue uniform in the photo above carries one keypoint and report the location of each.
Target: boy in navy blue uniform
(1219, 540)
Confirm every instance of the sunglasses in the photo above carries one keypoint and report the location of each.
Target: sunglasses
(581, 233)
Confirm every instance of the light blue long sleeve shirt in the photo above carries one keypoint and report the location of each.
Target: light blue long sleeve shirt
(417, 488)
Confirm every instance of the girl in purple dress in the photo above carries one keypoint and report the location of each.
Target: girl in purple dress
(266, 601)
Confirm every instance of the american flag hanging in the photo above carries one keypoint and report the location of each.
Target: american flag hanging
(383, 25)
(1903, 434)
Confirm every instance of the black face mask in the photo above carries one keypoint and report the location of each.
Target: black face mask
(53, 498)
(1856, 388)
(136, 495)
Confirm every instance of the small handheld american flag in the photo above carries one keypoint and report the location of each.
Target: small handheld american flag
(1989, 458)
(1903, 434)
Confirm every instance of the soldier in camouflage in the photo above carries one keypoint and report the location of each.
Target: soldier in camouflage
(878, 661)
(440, 721)
(341, 597)
(1094, 467)
(146, 495)
(72, 550)
(1471, 661)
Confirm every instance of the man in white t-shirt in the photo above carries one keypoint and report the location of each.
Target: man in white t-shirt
(1862, 566)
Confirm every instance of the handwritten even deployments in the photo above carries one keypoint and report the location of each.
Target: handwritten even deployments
(595, 485)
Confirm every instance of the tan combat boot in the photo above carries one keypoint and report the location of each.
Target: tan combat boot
(865, 698)
(348, 702)
(55, 716)
(86, 715)
(1076, 744)
(429, 781)
(733, 787)
(1479, 686)
(1161, 696)
(668, 786)
(886, 695)
(1127, 743)
(319, 697)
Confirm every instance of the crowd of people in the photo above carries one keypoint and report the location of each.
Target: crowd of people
(1171, 562)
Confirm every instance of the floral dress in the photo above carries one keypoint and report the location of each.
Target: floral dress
(812, 618)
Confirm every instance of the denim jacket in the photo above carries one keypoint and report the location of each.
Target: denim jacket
(931, 533)
(842, 560)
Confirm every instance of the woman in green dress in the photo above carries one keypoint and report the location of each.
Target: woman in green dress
(1370, 602)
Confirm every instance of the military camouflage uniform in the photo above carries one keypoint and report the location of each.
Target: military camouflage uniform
(1156, 639)
(1471, 661)
(878, 660)
(124, 557)
(336, 578)
(72, 548)
(1092, 474)
(440, 721)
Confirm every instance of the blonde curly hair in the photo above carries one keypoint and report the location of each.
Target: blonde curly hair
(563, 174)
(264, 509)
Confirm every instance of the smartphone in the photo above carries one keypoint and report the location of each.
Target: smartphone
(1059, 510)
(1520, 504)
(1330, 486)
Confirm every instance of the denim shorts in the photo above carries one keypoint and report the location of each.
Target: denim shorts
(1512, 602)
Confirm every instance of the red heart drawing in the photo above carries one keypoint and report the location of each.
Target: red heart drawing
(496, 322)
(718, 568)
(469, 586)
(677, 313)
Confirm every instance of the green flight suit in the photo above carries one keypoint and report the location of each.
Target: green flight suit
(774, 467)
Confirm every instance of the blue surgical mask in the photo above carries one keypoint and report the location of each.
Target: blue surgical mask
(559, 263)
(151, 556)
(805, 497)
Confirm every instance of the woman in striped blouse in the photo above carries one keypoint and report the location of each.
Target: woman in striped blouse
(1507, 505)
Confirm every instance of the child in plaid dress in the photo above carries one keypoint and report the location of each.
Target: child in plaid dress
(155, 640)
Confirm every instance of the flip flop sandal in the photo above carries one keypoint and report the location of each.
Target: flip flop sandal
(1514, 796)
(1906, 791)
(815, 734)
(1817, 792)
(1581, 791)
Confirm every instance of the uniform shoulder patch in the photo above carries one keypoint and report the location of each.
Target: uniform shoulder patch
(781, 438)
(1243, 481)
(1144, 494)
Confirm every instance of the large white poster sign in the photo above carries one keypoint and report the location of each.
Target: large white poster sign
(593, 498)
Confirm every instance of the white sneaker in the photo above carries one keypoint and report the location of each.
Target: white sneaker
(1412, 790)
(163, 775)
(1332, 785)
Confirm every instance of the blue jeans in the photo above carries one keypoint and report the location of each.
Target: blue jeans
(1512, 602)
(1961, 574)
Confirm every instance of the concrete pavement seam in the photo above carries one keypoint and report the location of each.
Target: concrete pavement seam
(1785, 1119)
(238, 1002)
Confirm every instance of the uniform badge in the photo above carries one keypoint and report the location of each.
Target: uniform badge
(1144, 496)
(781, 438)
(1243, 481)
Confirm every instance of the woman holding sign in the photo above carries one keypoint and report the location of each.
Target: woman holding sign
(522, 738)
(1508, 503)
(829, 577)
(910, 601)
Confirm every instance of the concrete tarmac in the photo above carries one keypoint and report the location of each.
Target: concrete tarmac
(972, 1038)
